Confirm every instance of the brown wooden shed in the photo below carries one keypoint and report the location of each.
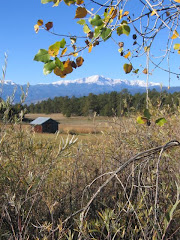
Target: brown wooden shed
(45, 125)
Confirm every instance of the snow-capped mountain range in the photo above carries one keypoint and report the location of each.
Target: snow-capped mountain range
(80, 87)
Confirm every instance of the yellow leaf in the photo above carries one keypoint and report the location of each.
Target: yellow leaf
(177, 1)
(54, 49)
(81, 12)
(178, 51)
(127, 55)
(57, 3)
(146, 49)
(153, 13)
(63, 51)
(90, 48)
(79, 61)
(175, 35)
(36, 28)
(75, 54)
(125, 13)
(40, 22)
(113, 12)
(120, 14)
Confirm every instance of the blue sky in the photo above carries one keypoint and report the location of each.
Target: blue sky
(21, 43)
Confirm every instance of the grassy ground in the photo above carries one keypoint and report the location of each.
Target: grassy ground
(77, 125)
(43, 182)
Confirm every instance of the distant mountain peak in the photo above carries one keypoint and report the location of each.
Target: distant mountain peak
(95, 84)
(7, 82)
(101, 80)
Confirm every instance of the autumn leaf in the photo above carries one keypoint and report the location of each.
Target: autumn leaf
(36, 28)
(54, 49)
(81, 12)
(120, 14)
(49, 25)
(141, 120)
(178, 1)
(73, 64)
(113, 12)
(145, 71)
(75, 54)
(127, 55)
(121, 44)
(56, 4)
(146, 49)
(90, 48)
(79, 2)
(67, 67)
(40, 22)
(153, 13)
(79, 61)
(176, 46)
(59, 72)
(127, 68)
(125, 13)
(63, 51)
(175, 35)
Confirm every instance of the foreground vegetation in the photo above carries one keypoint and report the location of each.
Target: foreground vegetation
(98, 189)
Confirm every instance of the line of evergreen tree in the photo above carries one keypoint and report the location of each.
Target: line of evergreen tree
(107, 104)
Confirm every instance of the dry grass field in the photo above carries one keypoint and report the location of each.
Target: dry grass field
(46, 182)
(77, 125)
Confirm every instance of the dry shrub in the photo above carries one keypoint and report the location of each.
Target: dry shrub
(43, 183)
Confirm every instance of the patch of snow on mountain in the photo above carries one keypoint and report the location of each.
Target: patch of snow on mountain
(7, 82)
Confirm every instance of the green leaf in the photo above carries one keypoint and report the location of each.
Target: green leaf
(86, 29)
(176, 46)
(147, 114)
(96, 21)
(81, 22)
(127, 67)
(123, 29)
(49, 67)
(105, 33)
(54, 49)
(42, 56)
(46, 1)
(62, 43)
(161, 121)
(97, 31)
(59, 64)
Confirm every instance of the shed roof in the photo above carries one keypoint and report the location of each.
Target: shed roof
(40, 120)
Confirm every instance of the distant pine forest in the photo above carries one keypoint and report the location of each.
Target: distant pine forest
(107, 104)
